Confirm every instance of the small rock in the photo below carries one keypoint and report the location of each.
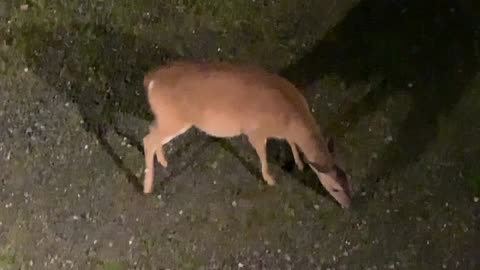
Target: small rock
(91, 252)
(24, 7)
(214, 165)
(240, 265)
(476, 199)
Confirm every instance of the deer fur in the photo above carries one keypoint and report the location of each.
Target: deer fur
(227, 100)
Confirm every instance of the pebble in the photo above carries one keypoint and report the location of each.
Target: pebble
(476, 199)
(240, 265)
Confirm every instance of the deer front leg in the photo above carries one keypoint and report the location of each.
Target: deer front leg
(296, 155)
(259, 143)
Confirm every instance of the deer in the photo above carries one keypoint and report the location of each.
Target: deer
(226, 100)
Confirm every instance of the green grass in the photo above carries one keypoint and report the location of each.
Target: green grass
(112, 265)
(474, 181)
(212, 29)
(7, 261)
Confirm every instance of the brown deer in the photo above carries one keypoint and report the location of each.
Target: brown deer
(226, 100)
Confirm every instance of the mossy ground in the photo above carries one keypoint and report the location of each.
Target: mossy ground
(398, 89)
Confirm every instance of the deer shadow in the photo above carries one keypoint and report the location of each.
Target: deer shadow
(101, 70)
(429, 46)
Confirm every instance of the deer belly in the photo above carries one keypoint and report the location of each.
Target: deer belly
(220, 126)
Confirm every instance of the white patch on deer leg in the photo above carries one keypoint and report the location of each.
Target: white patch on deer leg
(150, 85)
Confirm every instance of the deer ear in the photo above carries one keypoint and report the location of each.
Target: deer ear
(330, 145)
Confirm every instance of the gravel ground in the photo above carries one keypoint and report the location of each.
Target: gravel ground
(402, 106)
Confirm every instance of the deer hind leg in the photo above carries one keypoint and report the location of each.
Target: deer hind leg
(296, 155)
(260, 143)
(153, 145)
